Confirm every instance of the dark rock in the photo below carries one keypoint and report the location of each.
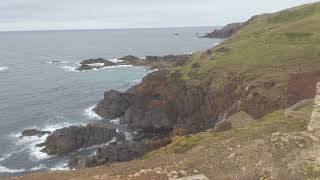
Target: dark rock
(152, 58)
(117, 152)
(53, 62)
(138, 135)
(113, 105)
(72, 138)
(92, 61)
(176, 34)
(226, 31)
(129, 58)
(34, 132)
(222, 126)
(88, 64)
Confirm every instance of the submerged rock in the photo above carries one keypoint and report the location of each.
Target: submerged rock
(66, 140)
(34, 132)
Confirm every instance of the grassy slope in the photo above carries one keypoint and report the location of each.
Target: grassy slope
(275, 42)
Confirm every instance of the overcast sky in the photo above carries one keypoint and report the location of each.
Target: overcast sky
(108, 14)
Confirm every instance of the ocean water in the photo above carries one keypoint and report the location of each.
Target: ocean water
(35, 93)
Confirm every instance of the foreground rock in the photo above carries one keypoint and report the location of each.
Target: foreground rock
(34, 132)
(70, 139)
(117, 151)
(225, 32)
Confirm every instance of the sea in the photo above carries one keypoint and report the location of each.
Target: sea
(37, 93)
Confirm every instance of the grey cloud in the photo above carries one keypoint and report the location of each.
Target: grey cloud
(85, 14)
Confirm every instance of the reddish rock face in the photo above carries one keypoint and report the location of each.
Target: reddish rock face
(165, 102)
(303, 85)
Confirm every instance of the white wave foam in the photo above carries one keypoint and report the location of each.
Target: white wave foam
(69, 68)
(116, 60)
(5, 156)
(63, 166)
(96, 64)
(7, 170)
(57, 62)
(56, 126)
(115, 121)
(29, 143)
(89, 112)
(117, 66)
(3, 68)
(39, 167)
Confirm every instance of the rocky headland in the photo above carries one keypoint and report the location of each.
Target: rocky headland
(218, 112)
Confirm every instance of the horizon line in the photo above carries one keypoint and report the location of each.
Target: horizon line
(129, 28)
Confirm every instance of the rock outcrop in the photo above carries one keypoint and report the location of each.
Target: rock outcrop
(70, 139)
(113, 105)
(91, 64)
(153, 62)
(225, 32)
(117, 152)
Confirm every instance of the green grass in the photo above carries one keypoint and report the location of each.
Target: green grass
(270, 43)
(307, 108)
(273, 122)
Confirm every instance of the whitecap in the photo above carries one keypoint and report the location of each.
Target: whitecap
(89, 112)
(7, 170)
(3, 68)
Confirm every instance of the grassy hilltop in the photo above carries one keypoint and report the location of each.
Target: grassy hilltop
(268, 43)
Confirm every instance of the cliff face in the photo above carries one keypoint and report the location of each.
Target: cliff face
(163, 102)
(256, 70)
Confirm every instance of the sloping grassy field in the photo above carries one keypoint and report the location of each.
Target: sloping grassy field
(286, 40)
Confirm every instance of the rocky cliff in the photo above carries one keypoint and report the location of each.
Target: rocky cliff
(254, 71)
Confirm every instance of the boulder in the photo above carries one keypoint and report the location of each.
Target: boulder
(117, 152)
(222, 126)
(113, 105)
(70, 139)
(240, 119)
(34, 132)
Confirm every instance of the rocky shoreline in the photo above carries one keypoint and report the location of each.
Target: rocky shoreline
(152, 62)
(170, 102)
